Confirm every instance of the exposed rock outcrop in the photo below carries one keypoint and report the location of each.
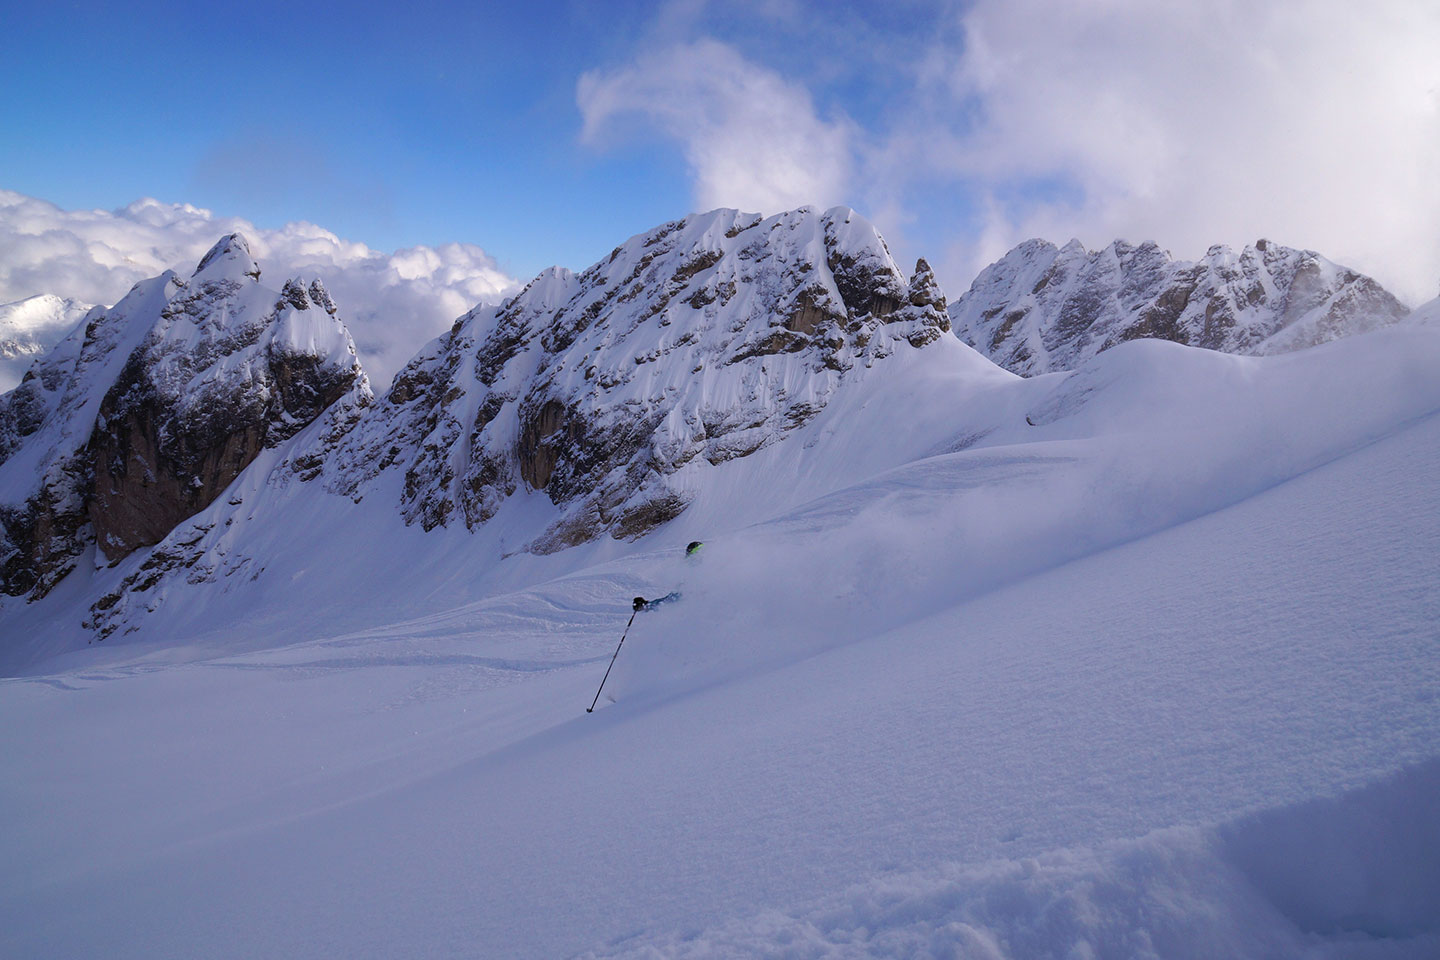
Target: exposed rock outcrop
(1042, 308)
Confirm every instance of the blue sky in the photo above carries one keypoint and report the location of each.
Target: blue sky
(397, 125)
(417, 124)
(550, 131)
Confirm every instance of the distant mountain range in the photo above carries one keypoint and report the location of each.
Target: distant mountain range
(29, 328)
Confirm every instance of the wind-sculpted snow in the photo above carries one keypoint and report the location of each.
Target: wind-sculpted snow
(1329, 879)
(145, 414)
(1042, 308)
(613, 391)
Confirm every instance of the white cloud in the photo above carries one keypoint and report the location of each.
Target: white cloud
(752, 139)
(392, 303)
(1313, 122)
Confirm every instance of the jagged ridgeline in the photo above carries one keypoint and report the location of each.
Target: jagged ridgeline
(608, 392)
(701, 341)
(142, 416)
(1042, 308)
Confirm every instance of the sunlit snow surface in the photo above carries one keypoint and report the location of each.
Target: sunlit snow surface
(1158, 676)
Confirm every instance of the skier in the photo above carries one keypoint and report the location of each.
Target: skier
(637, 605)
(692, 552)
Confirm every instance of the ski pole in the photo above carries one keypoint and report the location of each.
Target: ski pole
(638, 605)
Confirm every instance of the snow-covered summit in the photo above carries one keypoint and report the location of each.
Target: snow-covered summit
(143, 415)
(1043, 308)
(612, 390)
(229, 259)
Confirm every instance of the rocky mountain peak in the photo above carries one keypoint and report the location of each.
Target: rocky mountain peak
(703, 340)
(1043, 308)
(141, 417)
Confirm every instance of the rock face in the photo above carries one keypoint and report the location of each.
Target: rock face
(1042, 308)
(142, 417)
(701, 341)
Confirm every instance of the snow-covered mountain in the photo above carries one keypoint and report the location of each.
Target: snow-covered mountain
(31, 327)
(613, 390)
(600, 403)
(1042, 308)
(1131, 660)
(145, 414)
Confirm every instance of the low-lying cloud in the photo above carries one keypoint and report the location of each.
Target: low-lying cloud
(393, 303)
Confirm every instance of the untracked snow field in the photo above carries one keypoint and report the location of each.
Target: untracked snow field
(1164, 689)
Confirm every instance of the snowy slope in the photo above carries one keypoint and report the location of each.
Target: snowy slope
(31, 327)
(1426, 313)
(940, 710)
(1109, 663)
(1042, 308)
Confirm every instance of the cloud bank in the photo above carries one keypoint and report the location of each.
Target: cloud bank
(392, 303)
(1315, 123)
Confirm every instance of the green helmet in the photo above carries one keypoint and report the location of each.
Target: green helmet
(694, 548)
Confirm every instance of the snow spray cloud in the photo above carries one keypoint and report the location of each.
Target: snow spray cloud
(1144, 437)
(392, 303)
(836, 573)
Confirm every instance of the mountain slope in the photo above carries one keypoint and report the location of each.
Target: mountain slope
(145, 414)
(1042, 308)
